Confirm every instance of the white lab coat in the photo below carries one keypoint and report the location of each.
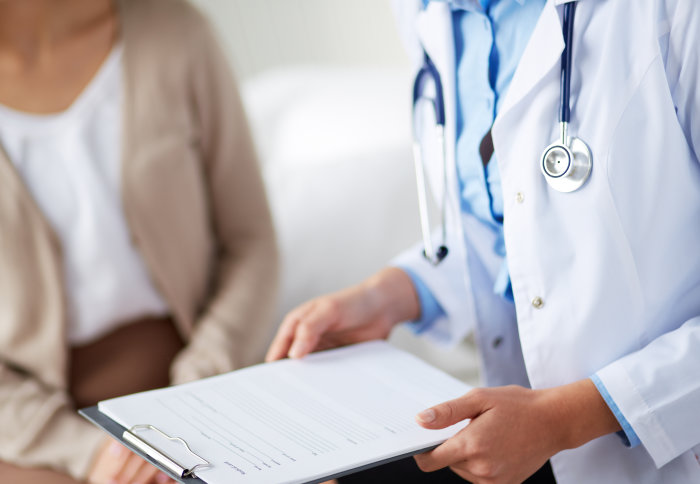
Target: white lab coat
(616, 263)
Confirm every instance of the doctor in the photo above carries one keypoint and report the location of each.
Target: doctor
(583, 295)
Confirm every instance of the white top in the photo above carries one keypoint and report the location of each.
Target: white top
(71, 163)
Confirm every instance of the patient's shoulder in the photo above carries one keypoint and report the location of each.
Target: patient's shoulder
(173, 25)
(169, 47)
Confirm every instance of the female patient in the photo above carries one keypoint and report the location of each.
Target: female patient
(136, 247)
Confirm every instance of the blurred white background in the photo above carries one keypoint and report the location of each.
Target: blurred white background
(263, 34)
(327, 84)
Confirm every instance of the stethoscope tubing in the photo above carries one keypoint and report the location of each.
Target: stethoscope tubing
(430, 71)
(566, 60)
(575, 150)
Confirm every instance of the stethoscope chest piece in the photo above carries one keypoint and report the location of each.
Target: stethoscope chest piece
(566, 166)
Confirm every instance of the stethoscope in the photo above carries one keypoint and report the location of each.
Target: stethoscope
(430, 73)
(566, 163)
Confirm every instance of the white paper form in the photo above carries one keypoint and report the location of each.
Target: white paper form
(295, 421)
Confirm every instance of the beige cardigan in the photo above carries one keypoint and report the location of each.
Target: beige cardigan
(195, 205)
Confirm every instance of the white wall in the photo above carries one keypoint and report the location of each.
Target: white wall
(260, 34)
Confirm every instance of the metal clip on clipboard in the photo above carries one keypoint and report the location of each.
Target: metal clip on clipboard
(162, 458)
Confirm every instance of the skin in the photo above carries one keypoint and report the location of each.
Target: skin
(115, 464)
(360, 313)
(512, 431)
(49, 52)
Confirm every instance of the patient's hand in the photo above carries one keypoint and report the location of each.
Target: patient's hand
(115, 464)
(360, 313)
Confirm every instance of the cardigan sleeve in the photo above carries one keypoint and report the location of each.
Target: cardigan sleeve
(235, 325)
(38, 423)
(40, 427)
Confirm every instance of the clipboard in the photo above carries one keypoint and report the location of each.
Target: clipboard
(290, 419)
(117, 432)
(129, 439)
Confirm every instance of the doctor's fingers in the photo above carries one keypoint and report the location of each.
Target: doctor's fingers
(469, 405)
(468, 476)
(458, 468)
(325, 314)
(463, 455)
(453, 452)
(285, 334)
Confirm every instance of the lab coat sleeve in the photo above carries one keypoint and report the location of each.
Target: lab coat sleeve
(447, 286)
(657, 389)
(627, 434)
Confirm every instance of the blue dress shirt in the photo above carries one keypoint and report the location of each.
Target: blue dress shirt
(490, 37)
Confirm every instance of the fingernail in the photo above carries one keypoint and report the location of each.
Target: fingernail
(427, 416)
(162, 477)
(296, 350)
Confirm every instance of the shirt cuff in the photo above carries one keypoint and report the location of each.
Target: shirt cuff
(627, 434)
(430, 308)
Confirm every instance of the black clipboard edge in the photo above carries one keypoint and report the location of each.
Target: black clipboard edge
(372, 465)
(116, 431)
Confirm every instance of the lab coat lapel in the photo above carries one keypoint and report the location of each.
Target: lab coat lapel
(542, 54)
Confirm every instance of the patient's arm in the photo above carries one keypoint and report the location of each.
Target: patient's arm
(36, 422)
(236, 321)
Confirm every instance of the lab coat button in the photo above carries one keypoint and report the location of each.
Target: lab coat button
(519, 197)
(497, 342)
(537, 303)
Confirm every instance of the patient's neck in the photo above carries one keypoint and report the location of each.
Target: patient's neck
(30, 27)
(50, 49)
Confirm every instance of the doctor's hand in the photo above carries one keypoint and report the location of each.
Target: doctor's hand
(360, 313)
(514, 430)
